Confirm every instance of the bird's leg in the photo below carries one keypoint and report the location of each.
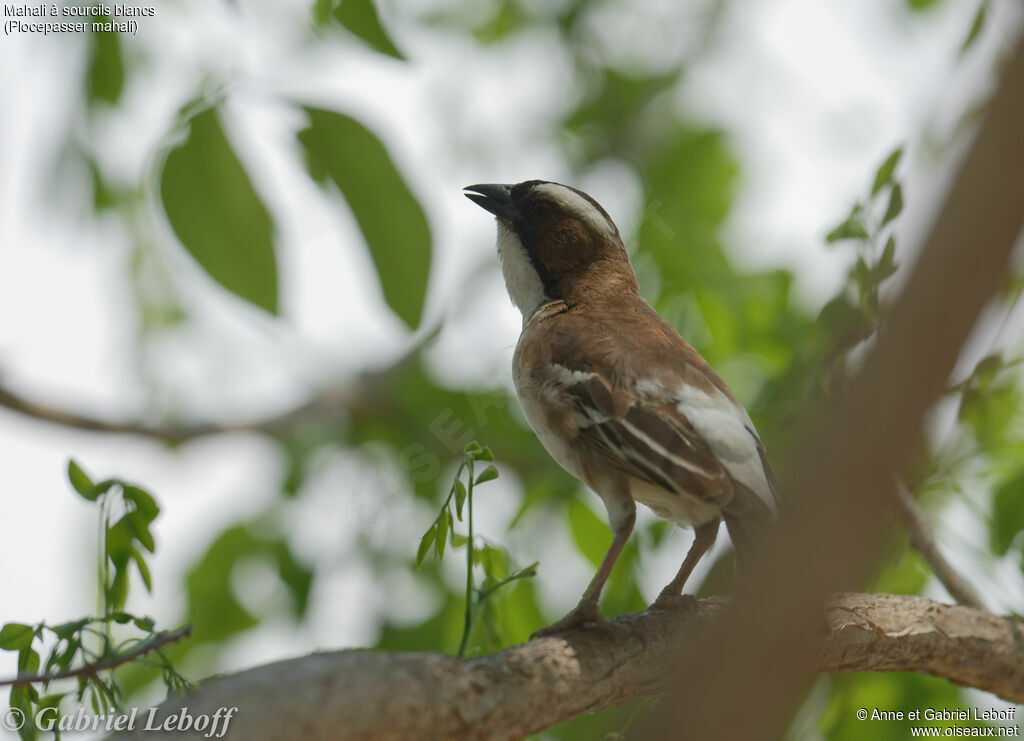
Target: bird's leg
(704, 538)
(587, 610)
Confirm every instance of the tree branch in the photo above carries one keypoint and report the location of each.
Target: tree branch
(923, 540)
(148, 646)
(324, 405)
(527, 688)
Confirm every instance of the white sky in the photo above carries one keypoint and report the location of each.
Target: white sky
(813, 95)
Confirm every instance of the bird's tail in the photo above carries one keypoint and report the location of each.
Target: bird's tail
(747, 518)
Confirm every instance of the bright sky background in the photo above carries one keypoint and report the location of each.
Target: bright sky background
(814, 96)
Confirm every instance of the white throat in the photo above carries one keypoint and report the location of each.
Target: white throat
(521, 279)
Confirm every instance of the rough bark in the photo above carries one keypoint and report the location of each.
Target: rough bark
(362, 694)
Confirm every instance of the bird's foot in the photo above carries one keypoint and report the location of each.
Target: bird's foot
(583, 614)
(671, 600)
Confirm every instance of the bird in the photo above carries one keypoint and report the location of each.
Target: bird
(614, 393)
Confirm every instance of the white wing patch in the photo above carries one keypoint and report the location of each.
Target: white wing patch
(521, 279)
(728, 431)
(572, 202)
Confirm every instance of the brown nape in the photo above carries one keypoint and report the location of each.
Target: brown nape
(585, 265)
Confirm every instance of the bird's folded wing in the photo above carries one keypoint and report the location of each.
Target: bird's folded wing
(683, 438)
(646, 439)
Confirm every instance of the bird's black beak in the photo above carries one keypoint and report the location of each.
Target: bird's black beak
(493, 197)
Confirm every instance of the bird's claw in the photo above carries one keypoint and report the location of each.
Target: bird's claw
(672, 600)
(578, 618)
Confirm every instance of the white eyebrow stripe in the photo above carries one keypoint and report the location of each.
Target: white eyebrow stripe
(575, 204)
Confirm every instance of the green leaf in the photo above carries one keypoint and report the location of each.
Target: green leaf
(144, 623)
(507, 20)
(117, 593)
(589, 532)
(16, 636)
(884, 174)
(213, 608)
(460, 497)
(121, 618)
(295, 575)
(484, 454)
(862, 276)
(81, 481)
(390, 217)
(322, 12)
(66, 630)
(1007, 513)
(852, 228)
(976, 27)
(217, 214)
(494, 561)
(425, 542)
(444, 525)
(887, 265)
(143, 567)
(489, 474)
(140, 530)
(105, 78)
(360, 18)
(895, 204)
(145, 504)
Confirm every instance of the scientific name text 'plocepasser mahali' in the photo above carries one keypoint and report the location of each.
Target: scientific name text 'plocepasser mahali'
(615, 395)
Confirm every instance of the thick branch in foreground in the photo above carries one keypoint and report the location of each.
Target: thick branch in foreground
(359, 694)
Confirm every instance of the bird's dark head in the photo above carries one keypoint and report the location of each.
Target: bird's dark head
(555, 243)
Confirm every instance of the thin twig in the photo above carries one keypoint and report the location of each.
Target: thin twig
(155, 643)
(167, 433)
(923, 540)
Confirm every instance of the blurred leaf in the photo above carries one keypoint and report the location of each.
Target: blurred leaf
(862, 276)
(886, 266)
(460, 496)
(507, 20)
(444, 525)
(605, 120)
(888, 691)
(296, 576)
(852, 228)
(989, 410)
(425, 542)
(105, 76)
(489, 474)
(322, 11)
(977, 25)
(439, 632)
(884, 174)
(81, 482)
(103, 196)
(840, 318)
(391, 219)
(589, 532)
(212, 606)
(16, 636)
(905, 572)
(1007, 513)
(217, 214)
(144, 503)
(689, 190)
(360, 18)
(493, 560)
(922, 5)
(895, 204)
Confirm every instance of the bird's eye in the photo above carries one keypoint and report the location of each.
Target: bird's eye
(540, 208)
